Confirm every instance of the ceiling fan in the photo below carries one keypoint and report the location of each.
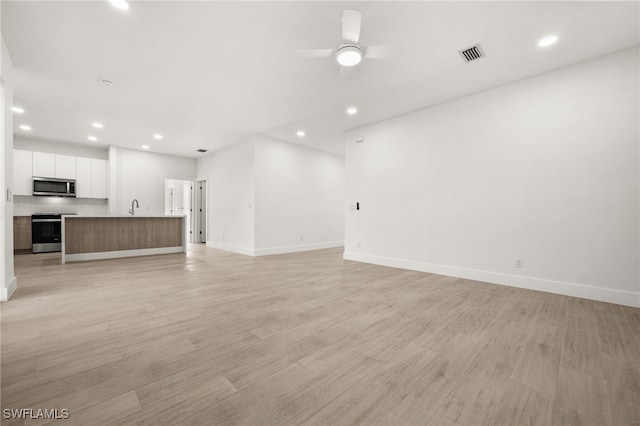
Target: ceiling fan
(349, 52)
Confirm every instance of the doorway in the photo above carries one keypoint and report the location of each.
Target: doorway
(200, 217)
(178, 201)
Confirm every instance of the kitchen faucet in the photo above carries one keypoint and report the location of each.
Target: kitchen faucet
(132, 211)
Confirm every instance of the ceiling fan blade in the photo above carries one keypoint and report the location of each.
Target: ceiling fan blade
(351, 22)
(379, 51)
(315, 53)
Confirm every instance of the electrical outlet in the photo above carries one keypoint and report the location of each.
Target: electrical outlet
(519, 263)
(301, 237)
(358, 244)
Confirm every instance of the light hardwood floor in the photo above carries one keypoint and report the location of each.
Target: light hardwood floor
(308, 338)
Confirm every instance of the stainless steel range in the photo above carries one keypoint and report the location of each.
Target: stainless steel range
(46, 232)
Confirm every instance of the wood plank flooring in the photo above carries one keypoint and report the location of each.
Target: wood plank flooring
(217, 338)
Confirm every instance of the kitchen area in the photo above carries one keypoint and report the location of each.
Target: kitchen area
(48, 186)
(63, 204)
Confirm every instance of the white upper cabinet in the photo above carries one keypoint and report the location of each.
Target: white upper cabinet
(65, 167)
(91, 178)
(83, 177)
(22, 172)
(90, 173)
(44, 164)
(98, 178)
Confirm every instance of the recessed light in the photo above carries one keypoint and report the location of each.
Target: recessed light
(25, 127)
(300, 133)
(17, 110)
(548, 40)
(352, 110)
(92, 138)
(157, 136)
(119, 4)
(145, 147)
(97, 125)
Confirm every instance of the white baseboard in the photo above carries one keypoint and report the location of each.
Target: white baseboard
(228, 247)
(296, 248)
(559, 287)
(121, 253)
(273, 250)
(7, 292)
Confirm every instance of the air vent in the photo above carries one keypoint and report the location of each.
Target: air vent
(471, 53)
(202, 150)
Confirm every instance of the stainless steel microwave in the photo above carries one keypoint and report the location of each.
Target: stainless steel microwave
(54, 187)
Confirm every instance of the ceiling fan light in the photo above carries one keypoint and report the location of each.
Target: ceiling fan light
(119, 4)
(548, 40)
(349, 56)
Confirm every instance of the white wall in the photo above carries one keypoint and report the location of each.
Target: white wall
(264, 195)
(545, 169)
(300, 196)
(9, 281)
(58, 147)
(112, 176)
(141, 175)
(231, 197)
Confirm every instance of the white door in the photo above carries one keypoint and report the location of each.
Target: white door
(186, 207)
(172, 200)
(201, 212)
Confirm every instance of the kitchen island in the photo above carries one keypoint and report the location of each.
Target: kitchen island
(108, 237)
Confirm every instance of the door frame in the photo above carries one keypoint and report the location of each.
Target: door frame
(190, 212)
(198, 219)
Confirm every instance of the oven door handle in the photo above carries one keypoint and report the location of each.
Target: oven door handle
(45, 220)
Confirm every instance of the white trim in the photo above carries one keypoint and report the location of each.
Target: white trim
(559, 287)
(6, 293)
(296, 248)
(63, 247)
(229, 247)
(185, 233)
(122, 253)
(197, 228)
(273, 250)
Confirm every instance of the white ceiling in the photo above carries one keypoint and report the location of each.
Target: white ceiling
(206, 74)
